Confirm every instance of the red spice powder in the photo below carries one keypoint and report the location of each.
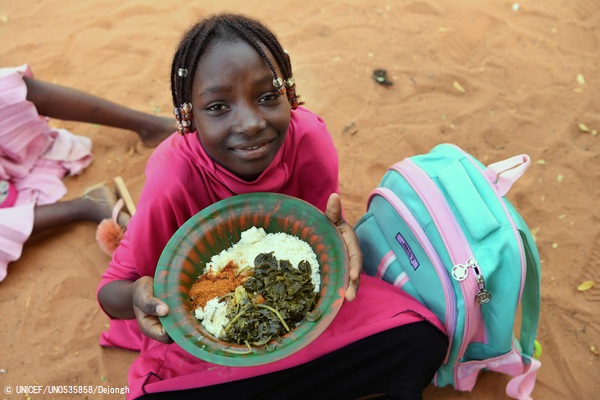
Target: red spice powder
(210, 285)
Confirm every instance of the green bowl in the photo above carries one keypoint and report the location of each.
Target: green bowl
(218, 227)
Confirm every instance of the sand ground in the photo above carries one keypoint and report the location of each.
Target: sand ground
(496, 77)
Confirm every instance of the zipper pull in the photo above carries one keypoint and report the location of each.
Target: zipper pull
(482, 296)
(461, 271)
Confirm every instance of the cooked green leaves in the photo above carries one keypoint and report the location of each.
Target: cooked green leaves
(274, 299)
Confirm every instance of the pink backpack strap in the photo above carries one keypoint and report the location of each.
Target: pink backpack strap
(505, 173)
(520, 367)
(521, 386)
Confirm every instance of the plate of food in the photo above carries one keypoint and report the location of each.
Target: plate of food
(252, 279)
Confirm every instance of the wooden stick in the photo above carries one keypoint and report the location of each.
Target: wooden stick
(124, 194)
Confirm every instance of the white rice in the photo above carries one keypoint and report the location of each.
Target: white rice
(253, 242)
(213, 316)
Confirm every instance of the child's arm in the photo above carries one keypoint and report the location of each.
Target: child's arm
(127, 300)
(334, 213)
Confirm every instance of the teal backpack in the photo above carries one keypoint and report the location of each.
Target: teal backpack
(440, 228)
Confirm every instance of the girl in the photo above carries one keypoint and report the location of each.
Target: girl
(242, 131)
(34, 157)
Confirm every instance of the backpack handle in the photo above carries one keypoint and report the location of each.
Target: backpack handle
(504, 173)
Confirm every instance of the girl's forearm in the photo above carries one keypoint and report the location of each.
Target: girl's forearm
(116, 299)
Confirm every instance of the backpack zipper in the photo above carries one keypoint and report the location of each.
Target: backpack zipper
(455, 242)
(512, 224)
(425, 243)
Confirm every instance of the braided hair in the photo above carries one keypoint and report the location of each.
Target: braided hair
(227, 27)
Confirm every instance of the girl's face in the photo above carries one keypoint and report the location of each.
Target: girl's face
(241, 120)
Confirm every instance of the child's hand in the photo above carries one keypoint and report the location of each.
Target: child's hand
(148, 308)
(334, 212)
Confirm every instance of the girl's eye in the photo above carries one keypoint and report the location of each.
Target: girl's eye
(216, 107)
(268, 97)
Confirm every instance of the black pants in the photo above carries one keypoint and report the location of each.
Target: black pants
(398, 363)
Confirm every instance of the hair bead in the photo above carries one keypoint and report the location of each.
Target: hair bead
(277, 82)
(184, 117)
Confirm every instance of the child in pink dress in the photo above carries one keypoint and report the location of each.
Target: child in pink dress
(34, 157)
(243, 131)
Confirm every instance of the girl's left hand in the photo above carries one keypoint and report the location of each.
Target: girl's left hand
(334, 213)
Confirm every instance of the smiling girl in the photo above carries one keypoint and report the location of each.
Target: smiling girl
(242, 131)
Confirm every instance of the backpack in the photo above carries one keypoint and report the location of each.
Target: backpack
(440, 228)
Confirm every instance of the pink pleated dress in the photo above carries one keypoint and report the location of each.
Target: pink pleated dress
(34, 157)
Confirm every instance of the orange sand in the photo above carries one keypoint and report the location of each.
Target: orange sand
(518, 69)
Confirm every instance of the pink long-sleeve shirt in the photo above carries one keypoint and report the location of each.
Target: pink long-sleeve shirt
(181, 180)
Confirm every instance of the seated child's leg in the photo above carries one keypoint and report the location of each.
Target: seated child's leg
(64, 103)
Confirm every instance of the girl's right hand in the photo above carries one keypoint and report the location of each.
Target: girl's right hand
(148, 308)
